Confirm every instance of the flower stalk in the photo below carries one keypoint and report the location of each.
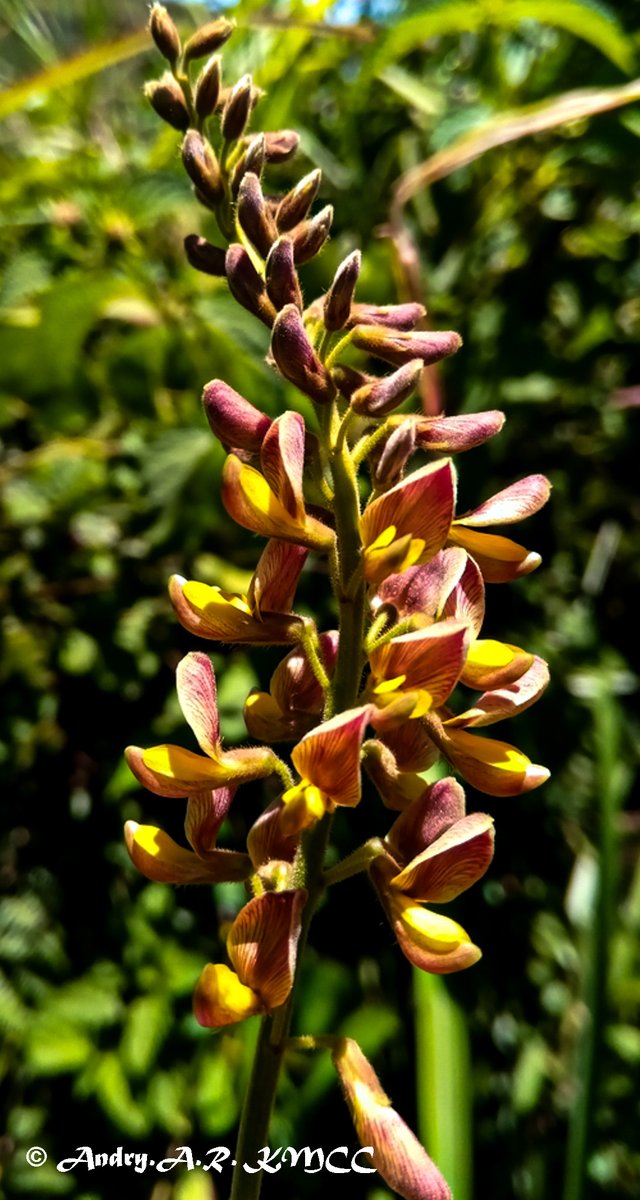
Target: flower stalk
(408, 582)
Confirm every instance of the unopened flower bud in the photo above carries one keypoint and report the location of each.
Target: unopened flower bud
(399, 347)
(399, 447)
(294, 207)
(202, 167)
(208, 39)
(337, 305)
(207, 88)
(348, 380)
(252, 160)
(395, 1150)
(309, 238)
(392, 316)
(204, 256)
(296, 358)
(283, 285)
(166, 97)
(233, 420)
(254, 216)
(237, 110)
(164, 33)
(246, 286)
(281, 145)
(380, 396)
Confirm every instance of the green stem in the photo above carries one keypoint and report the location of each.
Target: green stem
(354, 863)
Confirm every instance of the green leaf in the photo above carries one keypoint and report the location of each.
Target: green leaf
(55, 1046)
(147, 1024)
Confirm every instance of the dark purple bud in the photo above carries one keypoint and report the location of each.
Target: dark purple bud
(337, 305)
(294, 207)
(399, 347)
(254, 216)
(309, 237)
(202, 167)
(205, 257)
(380, 396)
(348, 380)
(252, 160)
(392, 316)
(398, 449)
(234, 421)
(207, 88)
(208, 39)
(281, 146)
(164, 33)
(283, 286)
(297, 360)
(237, 110)
(166, 97)
(246, 286)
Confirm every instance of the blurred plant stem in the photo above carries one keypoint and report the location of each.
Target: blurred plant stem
(444, 1083)
(610, 783)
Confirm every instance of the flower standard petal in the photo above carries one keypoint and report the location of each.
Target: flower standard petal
(263, 941)
(421, 506)
(514, 503)
(197, 695)
(451, 864)
(439, 806)
(427, 660)
(329, 756)
(205, 813)
(275, 579)
(233, 420)
(282, 460)
(424, 590)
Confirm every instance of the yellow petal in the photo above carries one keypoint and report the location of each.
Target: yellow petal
(221, 999)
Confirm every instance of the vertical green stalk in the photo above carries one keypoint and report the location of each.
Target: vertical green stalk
(444, 1081)
(606, 724)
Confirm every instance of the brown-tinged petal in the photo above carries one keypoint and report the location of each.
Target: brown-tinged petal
(439, 806)
(293, 684)
(495, 768)
(506, 701)
(399, 347)
(297, 360)
(329, 756)
(281, 145)
(221, 616)
(172, 771)
(221, 999)
(422, 506)
(208, 38)
(167, 99)
(159, 858)
(276, 576)
(453, 435)
(492, 664)
(499, 559)
(395, 455)
(451, 864)
(411, 745)
(248, 498)
(426, 590)
(431, 941)
(266, 842)
(202, 166)
(466, 599)
(310, 236)
(197, 694)
(233, 419)
(237, 109)
(263, 941)
(205, 813)
(395, 1151)
(282, 461)
(398, 789)
(428, 660)
(514, 503)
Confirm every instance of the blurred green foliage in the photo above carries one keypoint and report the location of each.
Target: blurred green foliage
(109, 484)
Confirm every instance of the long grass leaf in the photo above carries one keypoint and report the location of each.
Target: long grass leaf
(81, 66)
(510, 127)
(444, 1081)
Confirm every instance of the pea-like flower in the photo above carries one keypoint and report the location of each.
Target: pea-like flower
(295, 700)
(159, 857)
(328, 762)
(171, 771)
(271, 501)
(262, 946)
